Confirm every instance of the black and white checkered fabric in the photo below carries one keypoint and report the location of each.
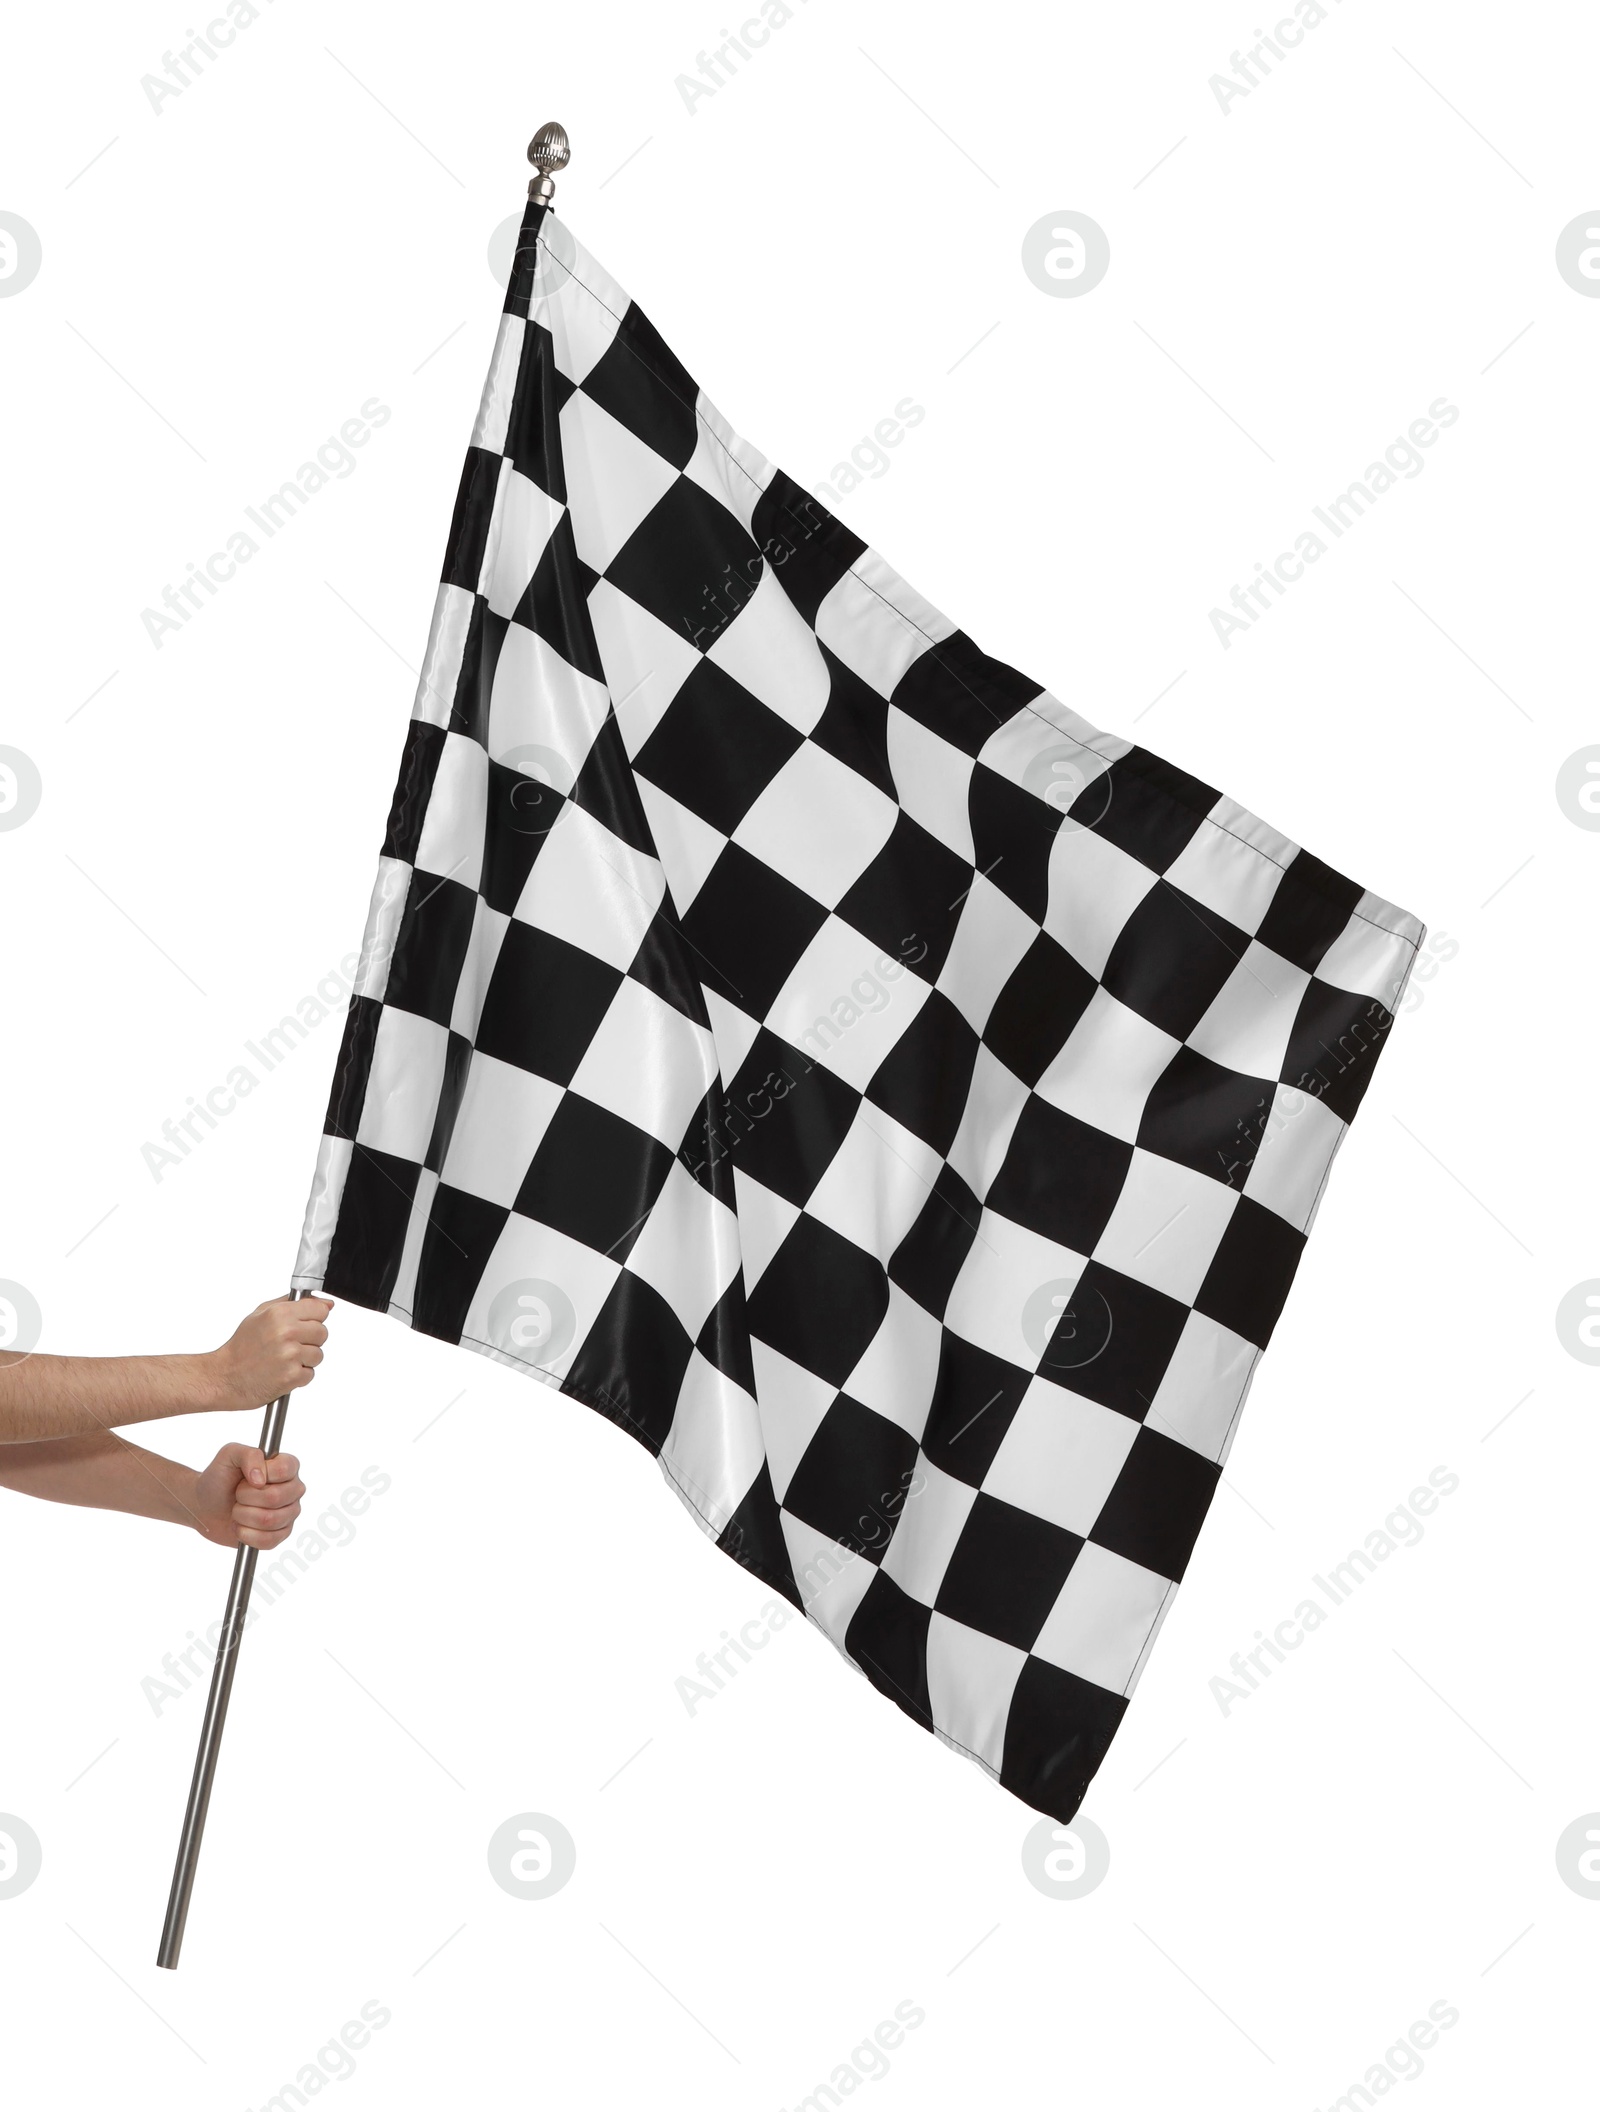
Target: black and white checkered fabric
(803, 1039)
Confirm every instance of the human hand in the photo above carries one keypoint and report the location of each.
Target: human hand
(244, 1499)
(274, 1351)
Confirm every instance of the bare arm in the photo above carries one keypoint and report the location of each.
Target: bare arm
(274, 1351)
(241, 1499)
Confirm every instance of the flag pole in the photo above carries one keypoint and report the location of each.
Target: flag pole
(548, 151)
(216, 1716)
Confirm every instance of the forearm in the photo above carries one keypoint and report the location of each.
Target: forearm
(45, 1397)
(103, 1472)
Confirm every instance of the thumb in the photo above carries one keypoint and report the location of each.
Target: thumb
(247, 1461)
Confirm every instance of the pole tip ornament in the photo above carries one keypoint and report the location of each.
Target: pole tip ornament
(548, 150)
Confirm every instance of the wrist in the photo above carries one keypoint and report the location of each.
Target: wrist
(213, 1382)
(184, 1490)
(179, 1486)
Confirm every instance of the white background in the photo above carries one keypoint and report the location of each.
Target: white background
(1373, 1830)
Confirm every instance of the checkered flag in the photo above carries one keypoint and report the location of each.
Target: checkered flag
(804, 1040)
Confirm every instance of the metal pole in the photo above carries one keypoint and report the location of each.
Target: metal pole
(205, 1764)
(548, 152)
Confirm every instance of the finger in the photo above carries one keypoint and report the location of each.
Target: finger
(283, 1466)
(263, 1541)
(258, 1519)
(312, 1310)
(283, 1496)
(275, 1497)
(308, 1331)
(263, 1532)
(249, 1463)
(275, 1493)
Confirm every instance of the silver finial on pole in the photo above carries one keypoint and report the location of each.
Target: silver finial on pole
(548, 150)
